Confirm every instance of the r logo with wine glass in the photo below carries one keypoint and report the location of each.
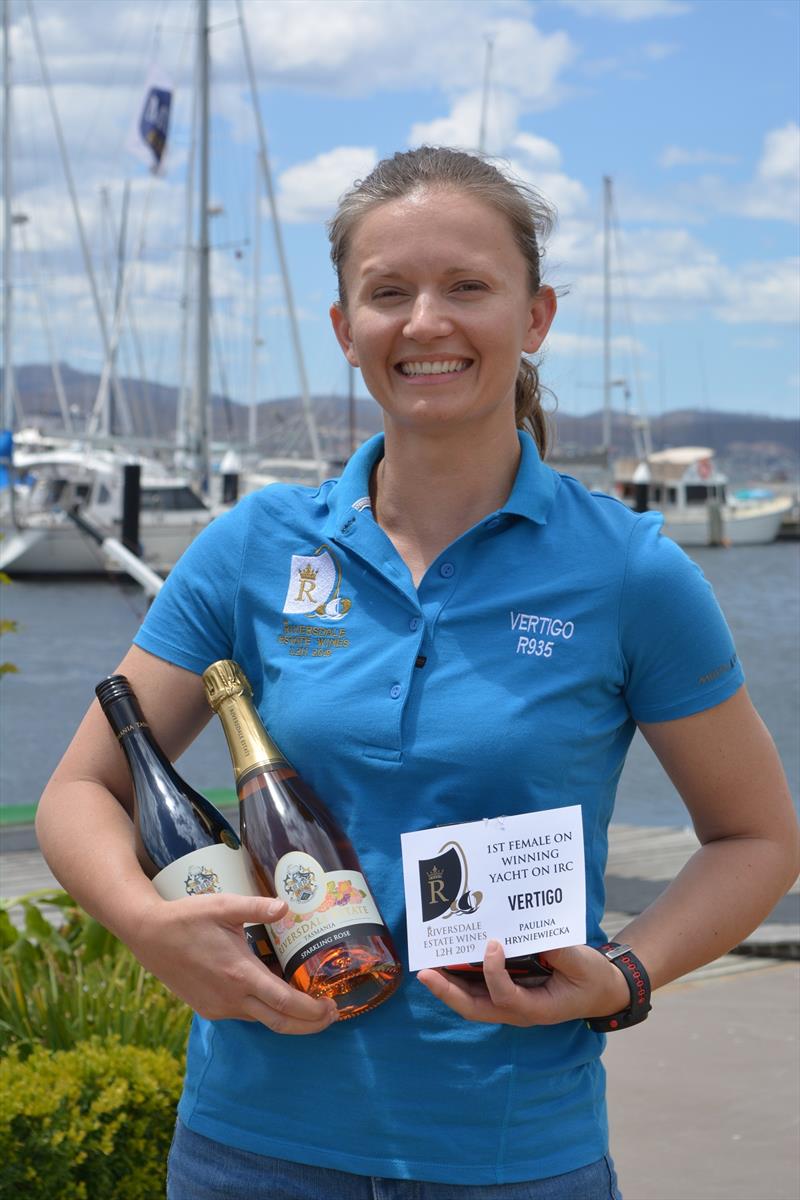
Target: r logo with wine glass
(315, 593)
(444, 885)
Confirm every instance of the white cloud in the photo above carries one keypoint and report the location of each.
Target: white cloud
(581, 345)
(628, 10)
(538, 151)
(772, 193)
(461, 127)
(373, 45)
(781, 157)
(656, 51)
(679, 156)
(767, 293)
(309, 191)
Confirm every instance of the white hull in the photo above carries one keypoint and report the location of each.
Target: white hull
(53, 545)
(747, 524)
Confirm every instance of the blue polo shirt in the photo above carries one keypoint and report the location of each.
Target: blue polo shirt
(509, 680)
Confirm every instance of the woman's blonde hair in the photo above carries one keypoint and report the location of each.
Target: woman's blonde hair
(530, 216)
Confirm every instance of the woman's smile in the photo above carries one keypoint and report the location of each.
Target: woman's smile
(430, 372)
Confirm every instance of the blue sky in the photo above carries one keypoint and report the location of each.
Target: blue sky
(690, 106)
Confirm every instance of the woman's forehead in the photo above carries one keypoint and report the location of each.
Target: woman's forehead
(440, 221)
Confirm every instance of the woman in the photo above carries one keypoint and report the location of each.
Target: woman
(430, 707)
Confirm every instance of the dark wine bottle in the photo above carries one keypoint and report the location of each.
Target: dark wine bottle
(333, 941)
(184, 844)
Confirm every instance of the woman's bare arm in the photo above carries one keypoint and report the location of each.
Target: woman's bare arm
(726, 768)
(196, 946)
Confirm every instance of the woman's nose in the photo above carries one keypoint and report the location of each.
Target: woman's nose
(427, 319)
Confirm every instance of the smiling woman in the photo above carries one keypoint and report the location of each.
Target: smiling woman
(434, 702)
(450, 184)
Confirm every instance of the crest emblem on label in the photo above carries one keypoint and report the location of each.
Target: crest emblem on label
(300, 881)
(202, 881)
(300, 884)
(443, 885)
(314, 586)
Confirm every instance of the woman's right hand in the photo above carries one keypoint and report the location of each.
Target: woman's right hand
(198, 949)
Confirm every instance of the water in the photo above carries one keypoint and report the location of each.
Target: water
(72, 634)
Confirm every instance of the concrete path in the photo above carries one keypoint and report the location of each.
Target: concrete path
(704, 1096)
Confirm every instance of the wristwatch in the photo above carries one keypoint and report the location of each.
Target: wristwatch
(638, 982)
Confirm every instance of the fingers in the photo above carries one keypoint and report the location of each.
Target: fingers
(198, 948)
(285, 1009)
(502, 989)
(501, 1001)
(242, 910)
(290, 1011)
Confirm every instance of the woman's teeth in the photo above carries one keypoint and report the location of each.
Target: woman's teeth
(433, 368)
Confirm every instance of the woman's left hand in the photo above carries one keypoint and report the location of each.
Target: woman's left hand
(583, 984)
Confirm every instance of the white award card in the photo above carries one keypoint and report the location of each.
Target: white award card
(520, 880)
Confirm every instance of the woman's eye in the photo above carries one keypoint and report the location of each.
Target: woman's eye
(386, 293)
(470, 285)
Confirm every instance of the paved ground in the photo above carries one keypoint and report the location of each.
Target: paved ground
(704, 1096)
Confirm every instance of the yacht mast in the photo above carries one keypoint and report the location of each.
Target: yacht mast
(252, 423)
(185, 396)
(607, 381)
(199, 425)
(487, 74)
(7, 421)
(87, 258)
(305, 396)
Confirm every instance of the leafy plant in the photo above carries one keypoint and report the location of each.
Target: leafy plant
(87, 1124)
(7, 626)
(66, 979)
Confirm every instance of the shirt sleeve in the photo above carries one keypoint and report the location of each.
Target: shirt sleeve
(678, 652)
(191, 622)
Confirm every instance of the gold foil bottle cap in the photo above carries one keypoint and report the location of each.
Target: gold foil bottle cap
(223, 679)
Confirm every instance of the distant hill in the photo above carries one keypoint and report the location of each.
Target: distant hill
(746, 444)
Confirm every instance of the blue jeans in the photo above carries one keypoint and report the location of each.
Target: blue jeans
(201, 1169)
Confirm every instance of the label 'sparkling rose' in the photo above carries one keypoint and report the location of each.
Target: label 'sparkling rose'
(332, 941)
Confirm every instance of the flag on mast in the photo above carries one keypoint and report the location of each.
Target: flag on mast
(148, 138)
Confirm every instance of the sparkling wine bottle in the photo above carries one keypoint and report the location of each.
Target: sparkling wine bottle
(184, 844)
(333, 941)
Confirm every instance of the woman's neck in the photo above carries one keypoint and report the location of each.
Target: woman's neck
(427, 491)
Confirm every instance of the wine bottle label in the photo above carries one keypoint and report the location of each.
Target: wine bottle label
(212, 869)
(323, 906)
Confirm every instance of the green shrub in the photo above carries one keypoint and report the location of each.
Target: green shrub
(68, 979)
(93, 1123)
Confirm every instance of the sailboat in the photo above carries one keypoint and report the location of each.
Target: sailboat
(683, 482)
(51, 481)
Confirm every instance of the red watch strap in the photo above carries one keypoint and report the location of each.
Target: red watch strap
(638, 984)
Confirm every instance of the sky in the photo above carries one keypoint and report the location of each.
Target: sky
(689, 107)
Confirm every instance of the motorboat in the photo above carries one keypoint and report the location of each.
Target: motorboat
(40, 538)
(685, 485)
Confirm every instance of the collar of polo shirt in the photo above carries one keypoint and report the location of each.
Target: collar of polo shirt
(532, 495)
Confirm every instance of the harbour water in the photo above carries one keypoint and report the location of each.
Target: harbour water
(71, 634)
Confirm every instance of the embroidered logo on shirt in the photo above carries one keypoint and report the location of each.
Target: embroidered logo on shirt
(315, 582)
(315, 592)
(547, 633)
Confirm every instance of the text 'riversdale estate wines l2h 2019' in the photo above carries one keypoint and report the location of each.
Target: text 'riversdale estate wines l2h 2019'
(183, 843)
(333, 941)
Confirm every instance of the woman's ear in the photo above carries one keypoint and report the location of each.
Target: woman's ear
(341, 327)
(542, 310)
